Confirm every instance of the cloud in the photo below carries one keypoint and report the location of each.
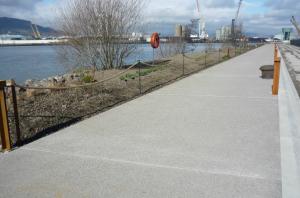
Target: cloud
(262, 16)
(37, 11)
(283, 4)
(220, 3)
(20, 4)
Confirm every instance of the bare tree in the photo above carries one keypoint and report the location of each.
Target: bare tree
(98, 31)
(173, 47)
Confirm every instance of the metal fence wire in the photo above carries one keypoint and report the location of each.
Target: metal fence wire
(35, 110)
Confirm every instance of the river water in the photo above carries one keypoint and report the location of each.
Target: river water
(38, 62)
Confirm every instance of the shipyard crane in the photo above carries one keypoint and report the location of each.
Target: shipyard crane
(295, 23)
(35, 31)
(234, 21)
(202, 27)
(238, 11)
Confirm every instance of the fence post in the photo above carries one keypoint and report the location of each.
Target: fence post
(16, 112)
(4, 130)
(140, 84)
(219, 55)
(183, 64)
(275, 86)
(205, 58)
(235, 50)
(228, 52)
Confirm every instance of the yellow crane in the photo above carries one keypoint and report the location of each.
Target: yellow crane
(202, 26)
(35, 31)
(295, 23)
(234, 21)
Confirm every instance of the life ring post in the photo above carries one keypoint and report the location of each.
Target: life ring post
(155, 42)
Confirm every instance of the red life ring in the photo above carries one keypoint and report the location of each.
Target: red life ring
(155, 40)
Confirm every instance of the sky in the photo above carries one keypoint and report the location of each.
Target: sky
(259, 17)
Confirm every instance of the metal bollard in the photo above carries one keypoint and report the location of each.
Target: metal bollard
(4, 129)
(275, 86)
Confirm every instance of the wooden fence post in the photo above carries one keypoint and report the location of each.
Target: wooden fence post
(140, 83)
(183, 64)
(275, 87)
(205, 62)
(4, 129)
(275, 52)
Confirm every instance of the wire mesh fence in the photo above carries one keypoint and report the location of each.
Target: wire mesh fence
(35, 111)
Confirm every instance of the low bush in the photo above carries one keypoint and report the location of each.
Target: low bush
(226, 57)
(87, 79)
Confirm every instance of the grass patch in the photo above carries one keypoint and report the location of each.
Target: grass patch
(226, 57)
(144, 72)
(87, 79)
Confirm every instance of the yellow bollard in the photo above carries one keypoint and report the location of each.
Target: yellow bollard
(275, 52)
(275, 87)
(4, 130)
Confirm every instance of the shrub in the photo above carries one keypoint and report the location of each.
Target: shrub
(87, 79)
(226, 57)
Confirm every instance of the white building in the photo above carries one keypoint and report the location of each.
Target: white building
(218, 35)
(223, 33)
(11, 37)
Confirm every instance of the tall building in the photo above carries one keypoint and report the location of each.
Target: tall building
(218, 34)
(223, 33)
(286, 33)
(178, 31)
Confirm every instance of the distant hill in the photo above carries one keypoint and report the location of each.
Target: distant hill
(22, 27)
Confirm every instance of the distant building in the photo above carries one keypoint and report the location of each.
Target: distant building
(218, 35)
(184, 31)
(11, 37)
(223, 33)
(178, 31)
(136, 36)
(278, 37)
(286, 34)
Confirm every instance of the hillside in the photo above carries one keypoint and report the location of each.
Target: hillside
(22, 27)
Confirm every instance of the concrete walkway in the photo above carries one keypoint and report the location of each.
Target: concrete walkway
(212, 135)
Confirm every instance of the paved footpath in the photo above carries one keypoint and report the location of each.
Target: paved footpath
(212, 135)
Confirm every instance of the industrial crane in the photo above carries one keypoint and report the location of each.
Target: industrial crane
(234, 21)
(238, 11)
(202, 27)
(295, 23)
(35, 31)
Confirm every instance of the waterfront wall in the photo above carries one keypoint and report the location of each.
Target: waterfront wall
(30, 42)
(296, 42)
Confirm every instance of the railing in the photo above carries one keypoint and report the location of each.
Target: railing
(33, 111)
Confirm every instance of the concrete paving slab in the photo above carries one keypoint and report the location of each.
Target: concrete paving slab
(289, 108)
(214, 134)
(92, 177)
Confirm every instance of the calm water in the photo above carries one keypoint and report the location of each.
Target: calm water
(39, 62)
